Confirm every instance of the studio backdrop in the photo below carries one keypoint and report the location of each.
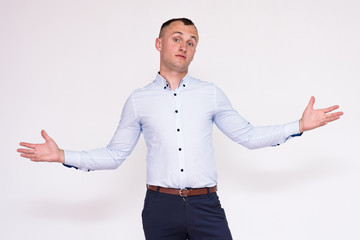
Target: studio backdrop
(69, 66)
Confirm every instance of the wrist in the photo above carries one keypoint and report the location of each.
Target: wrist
(61, 156)
(301, 127)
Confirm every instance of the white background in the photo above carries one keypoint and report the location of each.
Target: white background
(68, 67)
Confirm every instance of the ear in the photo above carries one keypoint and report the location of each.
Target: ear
(158, 44)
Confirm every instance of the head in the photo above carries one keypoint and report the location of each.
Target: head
(177, 43)
(185, 21)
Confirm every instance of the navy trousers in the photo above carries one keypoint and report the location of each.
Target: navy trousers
(171, 217)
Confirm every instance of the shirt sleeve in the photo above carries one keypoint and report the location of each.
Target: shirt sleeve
(229, 121)
(119, 148)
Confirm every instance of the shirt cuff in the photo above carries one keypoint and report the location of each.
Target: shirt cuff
(292, 129)
(72, 159)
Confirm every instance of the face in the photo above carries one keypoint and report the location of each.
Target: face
(177, 46)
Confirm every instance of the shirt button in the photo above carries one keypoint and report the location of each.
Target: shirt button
(182, 170)
(178, 129)
(165, 87)
(183, 85)
(174, 94)
(179, 149)
(176, 111)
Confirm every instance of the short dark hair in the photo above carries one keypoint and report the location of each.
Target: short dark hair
(185, 21)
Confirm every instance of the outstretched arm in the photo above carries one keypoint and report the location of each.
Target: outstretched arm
(109, 157)
(241, 131)
(44, 152)
(314, 118)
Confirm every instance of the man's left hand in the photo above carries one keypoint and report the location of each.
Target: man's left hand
(314, 118)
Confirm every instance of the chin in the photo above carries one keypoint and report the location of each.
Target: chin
(180, 67)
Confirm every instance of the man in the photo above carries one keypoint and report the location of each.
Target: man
(176, 113)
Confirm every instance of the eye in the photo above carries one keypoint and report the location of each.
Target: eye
(176, 40)
(190, 44)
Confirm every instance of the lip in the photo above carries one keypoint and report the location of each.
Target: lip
(181, 56)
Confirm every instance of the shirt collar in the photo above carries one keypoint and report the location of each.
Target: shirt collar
(164, 84)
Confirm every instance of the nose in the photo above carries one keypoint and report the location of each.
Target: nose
(183, 47)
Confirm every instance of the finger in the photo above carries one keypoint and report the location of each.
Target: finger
(27, 155)
(323, 123)
(45, 136)
(332, 118)
(35, 159)
(311, 102)
(23, 150)
(330, 109)
(31, 157)
(28, 145)
(334, 114)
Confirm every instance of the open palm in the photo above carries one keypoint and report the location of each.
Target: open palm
(314, 118)
(44, 152)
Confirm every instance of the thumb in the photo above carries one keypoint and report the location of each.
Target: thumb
(311, 102)
(45, 136)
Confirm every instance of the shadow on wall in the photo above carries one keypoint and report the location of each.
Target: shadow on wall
(110, 206)
(262, 180)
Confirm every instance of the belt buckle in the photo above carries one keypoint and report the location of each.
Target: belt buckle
(180, 193)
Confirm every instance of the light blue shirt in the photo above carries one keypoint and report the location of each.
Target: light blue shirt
(177, 128)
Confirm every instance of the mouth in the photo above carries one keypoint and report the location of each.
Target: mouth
(180, 56)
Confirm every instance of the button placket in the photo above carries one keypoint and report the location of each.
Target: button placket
(179, 136)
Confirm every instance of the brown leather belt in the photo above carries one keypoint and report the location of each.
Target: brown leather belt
(183, 192)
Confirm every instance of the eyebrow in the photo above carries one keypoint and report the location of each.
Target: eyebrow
(192, 36)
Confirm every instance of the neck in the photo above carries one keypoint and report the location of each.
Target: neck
(172, 77)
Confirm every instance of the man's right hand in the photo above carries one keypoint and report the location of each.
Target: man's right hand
(45, 152)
